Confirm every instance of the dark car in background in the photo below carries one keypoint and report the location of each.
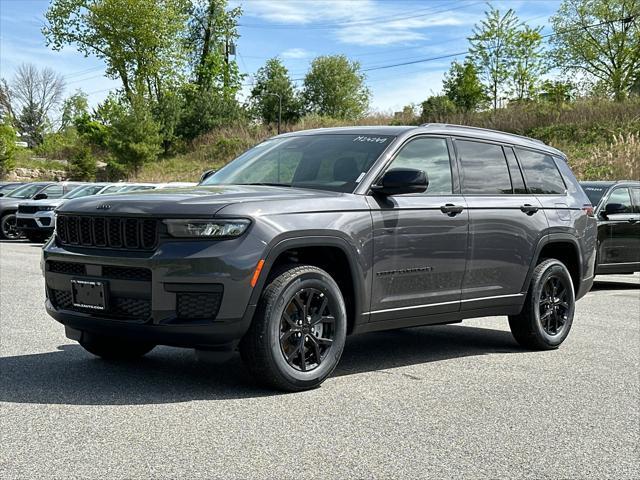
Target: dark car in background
(36, 191)
(314, 235)
(617, 209)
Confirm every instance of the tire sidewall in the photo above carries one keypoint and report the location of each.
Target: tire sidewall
(3, 222)
(324, 283)
(556, 268)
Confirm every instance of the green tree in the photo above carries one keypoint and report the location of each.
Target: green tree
(556, 91)
(133, 135)
(528, 62)
(141, 41)
(463, 87)
(600, 39)
(82, 164)
(492, 49)
(7, 148)
(74, 107)
(334, 86)
(272, 86)
(437, 108)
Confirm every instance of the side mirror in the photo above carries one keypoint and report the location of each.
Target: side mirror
(401, 180)
(1, 194)
(40, 196)
(206, 175)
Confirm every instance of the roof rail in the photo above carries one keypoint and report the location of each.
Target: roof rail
(467, 127)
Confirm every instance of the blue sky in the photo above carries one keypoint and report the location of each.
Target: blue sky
(375, 32)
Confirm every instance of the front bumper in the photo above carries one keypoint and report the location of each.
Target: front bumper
(185, 293)
(36, 222)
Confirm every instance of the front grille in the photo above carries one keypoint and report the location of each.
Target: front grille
(27, 209)
(26, 223)
(108, 232)
(124, 308)
(198, 306)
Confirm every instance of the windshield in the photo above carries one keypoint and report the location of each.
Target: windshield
(334, 162)
(594, 193)
(26, 191)
(84, 191)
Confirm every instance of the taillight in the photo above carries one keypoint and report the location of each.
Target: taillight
(588, 209)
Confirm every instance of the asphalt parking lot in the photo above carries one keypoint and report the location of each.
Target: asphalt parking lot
(457, 401)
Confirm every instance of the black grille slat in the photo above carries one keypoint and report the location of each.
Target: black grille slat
(108, 232)
(27, 209)
(67, 268)
(198, 306)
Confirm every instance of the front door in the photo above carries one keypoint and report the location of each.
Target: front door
(419, 249)
(619, 229)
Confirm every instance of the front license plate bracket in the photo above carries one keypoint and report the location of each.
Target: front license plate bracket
(89, 294)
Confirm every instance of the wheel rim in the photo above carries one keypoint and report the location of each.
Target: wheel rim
(554, 305)
(10, 228)
(307, 329)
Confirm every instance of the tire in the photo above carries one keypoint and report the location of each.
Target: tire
(8, 230)
(547, 314)
(113, 348)
(301, 315)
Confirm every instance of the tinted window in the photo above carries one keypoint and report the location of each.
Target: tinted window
(430, 155)
(53, 191)
(635, 193)
(484, 168)
(26, 191)
(621, 197)
(516, 175)
(594, 193)
(540, 172)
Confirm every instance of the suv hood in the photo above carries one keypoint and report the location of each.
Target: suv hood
(183, 202)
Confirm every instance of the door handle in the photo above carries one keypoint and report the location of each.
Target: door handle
(529, 209)
(451, 209)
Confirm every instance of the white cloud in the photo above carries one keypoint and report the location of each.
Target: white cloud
(296, 53)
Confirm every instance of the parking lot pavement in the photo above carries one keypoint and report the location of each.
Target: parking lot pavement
(448, 401)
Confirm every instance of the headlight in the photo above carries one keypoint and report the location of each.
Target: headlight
(47, 208)
(201, 228)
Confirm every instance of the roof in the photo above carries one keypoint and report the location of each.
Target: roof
(440, 128)
(609, 183)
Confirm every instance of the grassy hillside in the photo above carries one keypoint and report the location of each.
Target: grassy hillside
(601, 138)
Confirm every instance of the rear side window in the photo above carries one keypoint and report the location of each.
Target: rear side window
(541, 173)
(430, 155)
(484, 168)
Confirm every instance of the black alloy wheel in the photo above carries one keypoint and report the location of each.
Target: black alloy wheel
(9, 227)
(554, 305)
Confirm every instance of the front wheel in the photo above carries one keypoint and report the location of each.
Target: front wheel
(112, 348)
(8, 227)
(298, 333)
(547, 315)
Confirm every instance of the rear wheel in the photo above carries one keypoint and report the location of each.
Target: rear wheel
(547, 315)
(297, 336)
(113, 348)
(8, 228)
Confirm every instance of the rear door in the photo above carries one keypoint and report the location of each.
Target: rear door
(620, 240)
(505, 224)
(420, 240)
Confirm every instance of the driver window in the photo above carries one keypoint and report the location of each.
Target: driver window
(430, 155)
(621, 199)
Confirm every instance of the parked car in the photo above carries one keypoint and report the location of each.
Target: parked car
(36, 190)
(35, 218)
(314, 235)
(617, 209)
(6, 187)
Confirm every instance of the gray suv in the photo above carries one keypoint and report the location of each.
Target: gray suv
(315, 235)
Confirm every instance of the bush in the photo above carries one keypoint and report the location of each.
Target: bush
(7, 149)
(82, 164)
(59, 145)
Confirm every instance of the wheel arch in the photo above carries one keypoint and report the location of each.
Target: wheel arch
(563, 247)
(331, 253)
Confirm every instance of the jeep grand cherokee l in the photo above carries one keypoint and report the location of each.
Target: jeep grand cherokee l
(314, 235)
